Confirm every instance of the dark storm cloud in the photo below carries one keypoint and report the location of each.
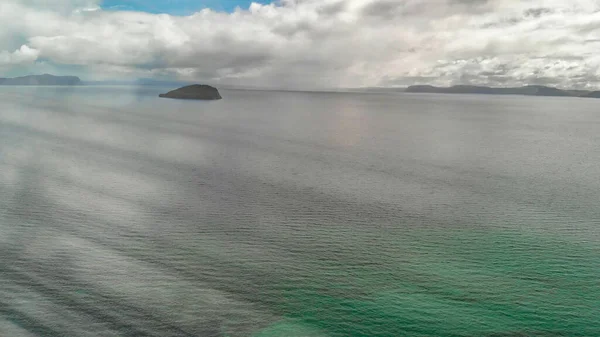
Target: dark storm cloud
(382, 8)
(333, 8)
(537, 12)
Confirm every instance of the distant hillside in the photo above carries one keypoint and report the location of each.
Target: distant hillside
(593, 94)
(45, 79)
(457, 89)
(529, 90)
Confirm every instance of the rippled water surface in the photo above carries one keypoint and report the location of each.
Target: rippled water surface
(297, 214)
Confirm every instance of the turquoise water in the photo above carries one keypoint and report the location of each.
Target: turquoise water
(297, 214)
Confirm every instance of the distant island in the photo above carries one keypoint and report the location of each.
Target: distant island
(592, 94)
(196, 91)
(528, 90)
(45, 79)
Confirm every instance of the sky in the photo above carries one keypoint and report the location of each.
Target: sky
(176, 7)
(307, 43)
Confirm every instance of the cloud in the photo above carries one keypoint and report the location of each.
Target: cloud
(317, 43)
(20, 56)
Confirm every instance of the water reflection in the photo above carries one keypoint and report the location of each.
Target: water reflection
(349, 124)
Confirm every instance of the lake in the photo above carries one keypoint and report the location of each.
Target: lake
(297, 214)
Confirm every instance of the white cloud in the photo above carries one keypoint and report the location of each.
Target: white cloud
(22, 55)
(319, 43)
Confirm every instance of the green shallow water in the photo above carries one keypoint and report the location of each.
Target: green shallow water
(470, 284)
(297, 214)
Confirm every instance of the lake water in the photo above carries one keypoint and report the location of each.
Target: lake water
(297, 214)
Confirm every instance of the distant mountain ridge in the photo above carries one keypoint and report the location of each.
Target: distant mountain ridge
(45, 79)
(528, 90)
(592, 94)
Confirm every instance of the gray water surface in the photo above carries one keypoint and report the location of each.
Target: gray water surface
(297, 214)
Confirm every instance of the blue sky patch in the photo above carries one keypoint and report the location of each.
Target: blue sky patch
(177, 7)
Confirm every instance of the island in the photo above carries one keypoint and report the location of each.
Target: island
(45, 79)
(195, 91)
(529, 90)
(593, 94)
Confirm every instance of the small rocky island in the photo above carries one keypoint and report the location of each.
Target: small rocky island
(196, 91)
